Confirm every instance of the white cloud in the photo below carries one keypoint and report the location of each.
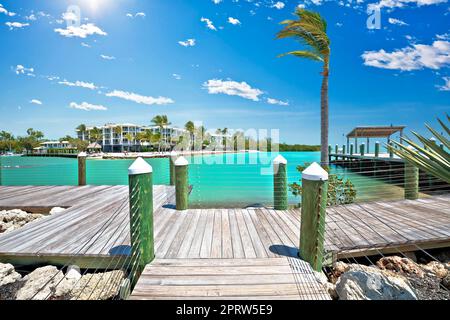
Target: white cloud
(31, 17)
(138, 14)
(6, 12)
(83, 44)
(278, 102)
(209, 23)
(176, 76)
(232, 88)
(139, 98)
(446, 85)
(402, 3)
(216, 1)
(87, 106)
(82, 31)
(187, 43)
(16, 25)
(233, 21)
(279, 5)
(20, 69)
(81, 84)
(69, 16)
(36, 101)
(397, 22)
(417, 56)
(107, 57)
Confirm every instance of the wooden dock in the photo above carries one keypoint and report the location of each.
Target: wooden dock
(87, 234)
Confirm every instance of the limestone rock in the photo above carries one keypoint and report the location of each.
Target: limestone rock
(9, 282)
(368, 283)
(44, 283)
(56, 210)
(446, 281)
(98, 286)
(440, 270)
(11, 220)
(330, 287)
(400, 265)
(73, 272)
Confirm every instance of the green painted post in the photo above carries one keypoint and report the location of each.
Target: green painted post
(361, 149)
(441, 146)
(343, 149)
(351, 149)
(82, 168)
(280, 185)
(141, 215)
(181, 183)
(314, 202)
(336, 149)
(391, 154)
(377, 149)
(411, 181)
(172, 159)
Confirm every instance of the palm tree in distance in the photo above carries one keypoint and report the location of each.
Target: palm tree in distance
(118, 131)
(130, 139)
(310, 29)
(82, 129)
(96, 135)
(161, 121)
(190, 127)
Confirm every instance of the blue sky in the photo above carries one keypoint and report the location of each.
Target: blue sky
(216, 62)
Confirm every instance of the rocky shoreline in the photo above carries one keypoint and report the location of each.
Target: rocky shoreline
(14, 219)
(51, 283)
(392, 278)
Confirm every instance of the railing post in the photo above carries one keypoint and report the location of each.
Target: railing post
(141, 214)
(181, 183)
(314, 203)
(280, 187)
(82, 168)
(172, 159)
(361, 149)
(391, 154)
(351, 149)
(343, 149)
(377, 149)
(411, 181)
(336, 149)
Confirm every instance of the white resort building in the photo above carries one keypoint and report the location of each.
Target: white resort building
(114, 137)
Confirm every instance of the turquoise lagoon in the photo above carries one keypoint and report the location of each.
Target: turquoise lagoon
(219, 181)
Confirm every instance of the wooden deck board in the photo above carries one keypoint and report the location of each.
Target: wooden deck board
(223, 279)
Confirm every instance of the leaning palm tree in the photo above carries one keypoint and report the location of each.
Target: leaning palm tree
(310, 29)
(96, 135)
(430, 157)
(161, 121)
(190, 127)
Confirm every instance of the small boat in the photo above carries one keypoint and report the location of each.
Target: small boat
(12, 154)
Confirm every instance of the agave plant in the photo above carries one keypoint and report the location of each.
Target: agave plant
(430, 157)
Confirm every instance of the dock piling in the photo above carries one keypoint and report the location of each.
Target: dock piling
(82, 168)
(140, 175)
(280, 187)
(314, 203)
(172, 159)
(361, 149)
(411, 181)
(377, 149)
(181, 183)
(351, 149)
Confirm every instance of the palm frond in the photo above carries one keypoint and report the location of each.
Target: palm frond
(303, 54)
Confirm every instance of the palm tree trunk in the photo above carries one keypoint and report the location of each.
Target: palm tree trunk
(324, 117)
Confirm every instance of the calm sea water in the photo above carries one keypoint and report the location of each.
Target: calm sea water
(228, 180)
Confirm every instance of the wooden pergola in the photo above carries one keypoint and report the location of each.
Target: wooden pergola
(373, 132)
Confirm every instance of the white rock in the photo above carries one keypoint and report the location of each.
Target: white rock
(44, 283)
(9, 282)
(57, 210)
(98, 286)
(73, 272)
(372, 284)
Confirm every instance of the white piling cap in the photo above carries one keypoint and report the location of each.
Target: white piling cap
(315, 173)
(173, 154)
(139, 166)
(181, 161)
(82, 154)
(279, 160)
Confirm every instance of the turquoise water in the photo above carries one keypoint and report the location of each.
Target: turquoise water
(228, 180)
